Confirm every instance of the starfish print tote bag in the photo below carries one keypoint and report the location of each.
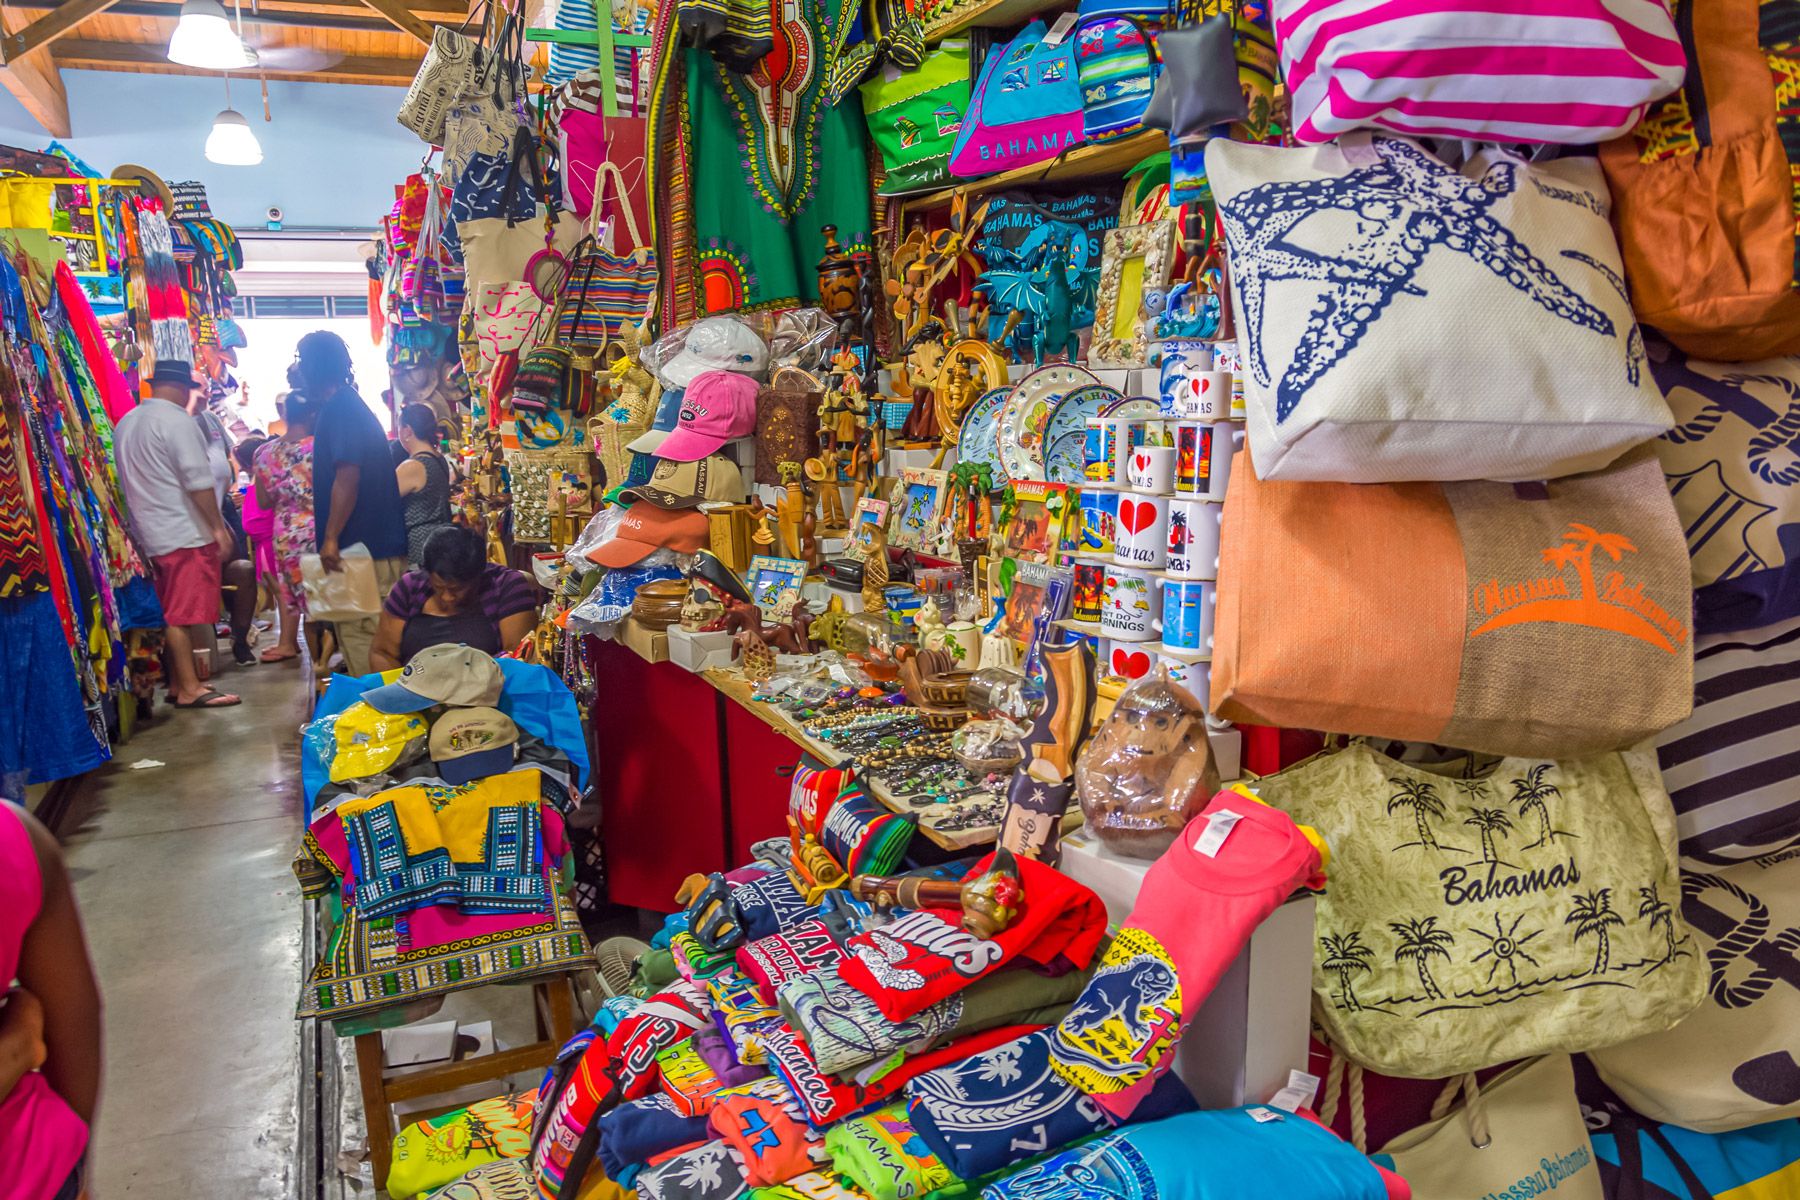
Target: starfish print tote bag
(1484, 910)
(1402, 319)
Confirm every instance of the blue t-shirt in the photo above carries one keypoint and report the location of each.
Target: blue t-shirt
(348, 433)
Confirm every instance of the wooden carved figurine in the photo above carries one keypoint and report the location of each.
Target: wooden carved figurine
(823, 472)
(791, 509)
(875, 566)
(990, 901)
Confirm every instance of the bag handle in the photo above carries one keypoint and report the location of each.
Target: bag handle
(1474, 1108)
(1334, 1087)
(524, 148)
(605, 171)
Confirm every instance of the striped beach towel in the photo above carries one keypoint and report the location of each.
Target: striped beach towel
(1557, 71)
(1733, 767)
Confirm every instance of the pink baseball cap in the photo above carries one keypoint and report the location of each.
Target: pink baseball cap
(717, 406)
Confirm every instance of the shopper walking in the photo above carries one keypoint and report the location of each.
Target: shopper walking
(355, 498)
(456, 596)
(282, 480)
(423, 479)
(170, 490)
(238, 574)
(258, 518)
(49, 1023)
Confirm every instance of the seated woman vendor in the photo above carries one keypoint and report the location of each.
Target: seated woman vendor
(456, 596)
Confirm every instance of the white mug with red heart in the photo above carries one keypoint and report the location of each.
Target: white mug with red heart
(1151, 468)
(1141, 537)
(1194, 537)
(1125, 660)
(1127, 611)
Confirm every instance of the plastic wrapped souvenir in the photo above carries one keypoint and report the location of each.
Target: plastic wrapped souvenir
(1148, 769)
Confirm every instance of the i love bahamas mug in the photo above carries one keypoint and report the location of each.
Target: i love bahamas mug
(1151, 468)
(1125, 660)
(1187, 613)
(1194, 537)
(1127, 610)
(1141, 538)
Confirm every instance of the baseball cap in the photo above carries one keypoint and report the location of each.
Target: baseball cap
(718, 406)
(366, 741)
(470, 743)
(714, 478)
(645, 529)
(716, 344)
(668, 411)
(460, 676)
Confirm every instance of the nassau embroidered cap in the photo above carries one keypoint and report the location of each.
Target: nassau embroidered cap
(716, 344)
(459, 676)
(645, 529)
(472, 743)
(717, 406)
(715, 479)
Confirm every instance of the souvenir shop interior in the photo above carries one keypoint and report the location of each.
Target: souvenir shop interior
(883, 599)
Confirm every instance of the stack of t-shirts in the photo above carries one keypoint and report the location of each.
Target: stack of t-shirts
(884, 1156)
(806, 949)
(828, 1098)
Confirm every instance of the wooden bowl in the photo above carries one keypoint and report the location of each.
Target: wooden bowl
(947, 690)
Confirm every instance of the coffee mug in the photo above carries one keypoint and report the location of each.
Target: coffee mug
(1142, 538)
(1226, 358)
(1099, 520)
(1196, 677)
(1193, 394)
(963, 640)
(1125, 660)
(1090, 589)
(1194, 537)
(1128, 603)
(1187, 613)
(1182, 360)
(1103, 454)
(1203, 457)
(1151, 468)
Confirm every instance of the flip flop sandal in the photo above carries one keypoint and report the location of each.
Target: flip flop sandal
(272, 656)
(205, 700)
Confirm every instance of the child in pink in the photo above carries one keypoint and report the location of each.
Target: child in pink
(1232, 866)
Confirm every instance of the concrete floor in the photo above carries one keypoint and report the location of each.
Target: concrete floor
(194, 920)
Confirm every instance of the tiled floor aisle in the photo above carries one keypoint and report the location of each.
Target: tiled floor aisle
(194, 919)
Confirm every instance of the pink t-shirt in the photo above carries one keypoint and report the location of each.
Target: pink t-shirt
(1232, 866)
(41, 1138)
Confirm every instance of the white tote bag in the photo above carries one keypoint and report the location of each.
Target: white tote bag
(1405, 320)
(347, 595)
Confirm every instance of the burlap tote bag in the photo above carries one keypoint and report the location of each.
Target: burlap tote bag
(1484, 910)
(1732, 1064)
(1542, 619)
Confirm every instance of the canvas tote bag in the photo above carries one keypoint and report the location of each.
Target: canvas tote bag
(1405, 320)
(1521, 1135)
(1732, 1063)
(1484, 910)
(1546, 619)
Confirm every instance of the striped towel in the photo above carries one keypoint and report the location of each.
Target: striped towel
(1733, 767)
(1558, 71)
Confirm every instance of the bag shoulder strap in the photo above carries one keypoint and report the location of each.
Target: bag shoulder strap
(609, 171)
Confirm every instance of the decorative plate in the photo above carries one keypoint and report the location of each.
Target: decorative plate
(978, 440)
(1065, 437)
(1136, 408)
(1026, 413)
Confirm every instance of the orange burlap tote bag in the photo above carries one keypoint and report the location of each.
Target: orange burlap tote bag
(1549, 619)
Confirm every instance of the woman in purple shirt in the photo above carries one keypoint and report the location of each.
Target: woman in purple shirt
(455, 597)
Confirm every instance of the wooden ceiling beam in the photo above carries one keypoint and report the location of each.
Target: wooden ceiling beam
(401, 18)
(50, 26)
(94, 55)
(444, 11)
(37, 85)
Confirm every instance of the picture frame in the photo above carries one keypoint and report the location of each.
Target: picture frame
(869, 511)
(914, 509)
(770, 581)
(1135, 261)
(1039, 520)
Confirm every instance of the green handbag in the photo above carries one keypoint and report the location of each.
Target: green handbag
(914, 117)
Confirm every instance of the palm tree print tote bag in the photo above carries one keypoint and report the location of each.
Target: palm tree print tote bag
(1486, 910)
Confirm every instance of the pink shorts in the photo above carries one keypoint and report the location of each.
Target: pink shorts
(187, 583)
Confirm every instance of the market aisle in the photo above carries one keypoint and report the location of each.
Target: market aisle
(194, 919)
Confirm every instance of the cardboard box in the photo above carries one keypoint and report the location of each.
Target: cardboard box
(699, 651)
(651, 645)
(1253, 1028)
(432, 1042)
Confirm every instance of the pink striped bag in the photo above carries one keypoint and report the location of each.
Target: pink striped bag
(1559, 71)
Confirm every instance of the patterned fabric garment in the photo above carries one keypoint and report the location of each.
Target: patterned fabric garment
(22, 565)
(711, 1172)
(770, 1137)
(507, 1179)
(285, 469)
(743, 1016)
(772, 961)
(811, 1186)
(883, 1155)
(687, 1081)
(431, 1153)
(638, 1131)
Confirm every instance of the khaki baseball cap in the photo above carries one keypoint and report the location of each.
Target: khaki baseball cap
(691, 484)
(459, 676)
(470, 743)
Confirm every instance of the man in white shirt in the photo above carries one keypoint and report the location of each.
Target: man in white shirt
(169, 488)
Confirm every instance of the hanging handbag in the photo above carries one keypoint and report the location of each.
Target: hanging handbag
(1520, 1135)
(1484, 910)
(1117, 62)
(458, 68)
(605, 291)
(1731, 1064)
(1730, 463)
(497, 251)
(1511, 263)
(1642, 1160)
(508, 318)
(1025, 108)
(629, 408)
(1548, 619)
(1568, 72)
(915, 116)
(1704, 194)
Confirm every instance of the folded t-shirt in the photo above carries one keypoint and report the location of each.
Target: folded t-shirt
(710, 1172)
(772, 961)
(1199, 904)
(636, 1131)
(772, 1140)
(1005, 1105)
(664, 1019)
(741, 1014)
(815, 1185)
(770, 904)
(882, 1154)
(925, 956)
(688, 1082)
(845, 1029)
(718, 1052)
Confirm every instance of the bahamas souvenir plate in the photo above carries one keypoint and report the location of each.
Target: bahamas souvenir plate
(1065, 437)
(1027, 412)
(978, 440)
(1137, 408)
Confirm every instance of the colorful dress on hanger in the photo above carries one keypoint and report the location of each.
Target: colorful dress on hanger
(286, 471)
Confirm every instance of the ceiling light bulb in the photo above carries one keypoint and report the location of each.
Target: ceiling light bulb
(204, 38)
(231, 142)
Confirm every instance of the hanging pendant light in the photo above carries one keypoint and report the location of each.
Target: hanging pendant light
(232, 143)
(204, 38)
